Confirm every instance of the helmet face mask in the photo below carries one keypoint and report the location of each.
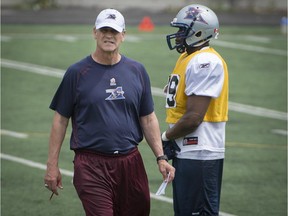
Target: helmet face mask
(197, 24)
(183, 32)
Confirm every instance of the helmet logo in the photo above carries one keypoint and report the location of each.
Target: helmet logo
(195, 14)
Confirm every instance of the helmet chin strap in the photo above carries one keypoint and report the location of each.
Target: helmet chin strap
(185, 47)
(181, 49)
(199, 43)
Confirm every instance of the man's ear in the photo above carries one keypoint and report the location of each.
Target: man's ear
(123, 36)
(94, 32)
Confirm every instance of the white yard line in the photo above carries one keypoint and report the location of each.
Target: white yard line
(136, 38)
(13, 134)
(243, 108)
(251, 48)
(59, 37)
(257, 111)
(257, 39)
(32, 163)
(70, 174)
(280, 132)
(27, 67)
(233, 106)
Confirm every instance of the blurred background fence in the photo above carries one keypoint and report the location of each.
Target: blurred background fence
(229, 12)
(250, 5)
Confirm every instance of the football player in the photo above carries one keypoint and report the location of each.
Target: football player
(197, 112)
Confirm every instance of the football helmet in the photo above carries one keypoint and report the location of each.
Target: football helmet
(197, 24)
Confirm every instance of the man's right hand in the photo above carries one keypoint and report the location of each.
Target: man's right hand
(53, 178)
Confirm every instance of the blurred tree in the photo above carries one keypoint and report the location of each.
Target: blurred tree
(40, 4)
(44, 3)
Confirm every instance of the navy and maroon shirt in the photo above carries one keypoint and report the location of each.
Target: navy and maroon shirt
(104, 103)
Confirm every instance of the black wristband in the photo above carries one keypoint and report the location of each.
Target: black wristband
(162, 157)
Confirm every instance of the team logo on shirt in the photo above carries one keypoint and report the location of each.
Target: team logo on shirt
(112, 82)
(115, 94)
(205, 65)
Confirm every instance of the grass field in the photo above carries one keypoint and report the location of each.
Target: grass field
(255, 170)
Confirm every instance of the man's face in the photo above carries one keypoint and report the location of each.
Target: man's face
(108, 39)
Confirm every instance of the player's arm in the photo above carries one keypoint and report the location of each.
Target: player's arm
(151, 131)
(204, 80)
(58, 130)
(195, 111)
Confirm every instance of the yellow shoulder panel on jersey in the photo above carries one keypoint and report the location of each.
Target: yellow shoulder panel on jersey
(176, 98)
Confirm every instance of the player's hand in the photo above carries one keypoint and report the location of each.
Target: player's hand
(170, 148)
(53, 179)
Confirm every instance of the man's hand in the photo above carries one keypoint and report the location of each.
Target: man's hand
(165, 168)
(53, 179)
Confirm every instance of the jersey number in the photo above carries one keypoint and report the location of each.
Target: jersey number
(171, 90)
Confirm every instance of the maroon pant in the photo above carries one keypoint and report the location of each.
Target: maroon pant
(112, 185)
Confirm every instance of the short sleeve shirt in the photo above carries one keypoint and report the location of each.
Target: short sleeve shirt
(105, 103)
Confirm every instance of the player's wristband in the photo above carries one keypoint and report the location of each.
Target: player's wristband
(162, 157)
(164, 137)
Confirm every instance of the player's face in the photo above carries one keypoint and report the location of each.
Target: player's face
(108, 39)
(179, 40)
